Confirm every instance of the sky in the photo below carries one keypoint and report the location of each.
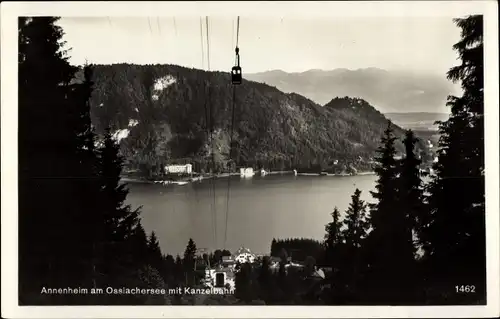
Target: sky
(418, 44)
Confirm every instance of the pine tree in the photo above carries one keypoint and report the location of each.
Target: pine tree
(75, 216)
(189, 260)
(333, 238)
(283, 281)
(123, 239)
(455, 234)
(55, 241)
(217, 256)
(90, 218)
(137, 248)
(309, 265)
(411, 199)
(169, 273)
(350, 268)
(334, 248)
(155, 257)
(355, 221)
(273, 247)
(411, 190)
(179, 270)
(383, 251)
(386, 190)
(265, 279)
(283, 256)
(243, 286)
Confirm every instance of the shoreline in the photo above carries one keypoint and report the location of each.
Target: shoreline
(128, 179)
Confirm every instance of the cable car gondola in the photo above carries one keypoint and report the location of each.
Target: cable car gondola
(236, 75)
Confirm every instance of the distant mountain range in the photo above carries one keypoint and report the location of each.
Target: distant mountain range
(158, 113)
(417, 121)
(388, 91)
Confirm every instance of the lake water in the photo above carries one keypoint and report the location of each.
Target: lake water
(260, 208)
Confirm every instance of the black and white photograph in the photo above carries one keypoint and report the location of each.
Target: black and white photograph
(246, 155)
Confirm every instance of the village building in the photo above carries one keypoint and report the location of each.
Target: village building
(246, 172)
(228, 262)
(244, 255)
(179, 169)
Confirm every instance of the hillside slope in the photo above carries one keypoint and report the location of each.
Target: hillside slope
(388, 91)
(158, 112)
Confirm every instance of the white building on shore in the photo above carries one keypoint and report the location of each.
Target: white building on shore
(246, 172)
(179, 169)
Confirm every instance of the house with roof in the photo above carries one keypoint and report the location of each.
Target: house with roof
(179, 169)
(246, 172)
(244, 255)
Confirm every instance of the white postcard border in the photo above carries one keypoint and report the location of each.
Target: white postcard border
(11, 10)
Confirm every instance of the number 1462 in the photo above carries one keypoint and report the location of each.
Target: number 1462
(465, 288)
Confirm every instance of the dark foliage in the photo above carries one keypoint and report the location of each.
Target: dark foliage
(389, 248)
(333, 238)
(454, 236)
(75, 229)
(298, 249)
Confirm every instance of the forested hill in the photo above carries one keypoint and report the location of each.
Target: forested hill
(159, 114)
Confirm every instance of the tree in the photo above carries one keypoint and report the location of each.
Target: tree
(138, 247)
(310, 265)
(265, 279)
(243, 283)
(383, 253)
(55, 142)
(169, 272)
(354, 233)
(386, 190)
(124, 240)
(206, 258)
(93, 234)
(74, 227)
(155, 257)
(455, 229)
(273, 247)
(284, 256)
(217, 256)
(179, 270)
(355, 221)
(411, 198)
(151, 278)
(189, 256)
(332, 238)
(411, 190)
(282, 281)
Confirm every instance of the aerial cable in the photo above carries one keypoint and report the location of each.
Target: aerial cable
(158, 24)
(231, 137)
(150, 29)
(211, 130)
(202, 52)
(175, 26)
(237, 30)
(208, 45)
(207, 124)
(210, 134)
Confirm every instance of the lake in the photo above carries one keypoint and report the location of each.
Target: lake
(260, 208)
